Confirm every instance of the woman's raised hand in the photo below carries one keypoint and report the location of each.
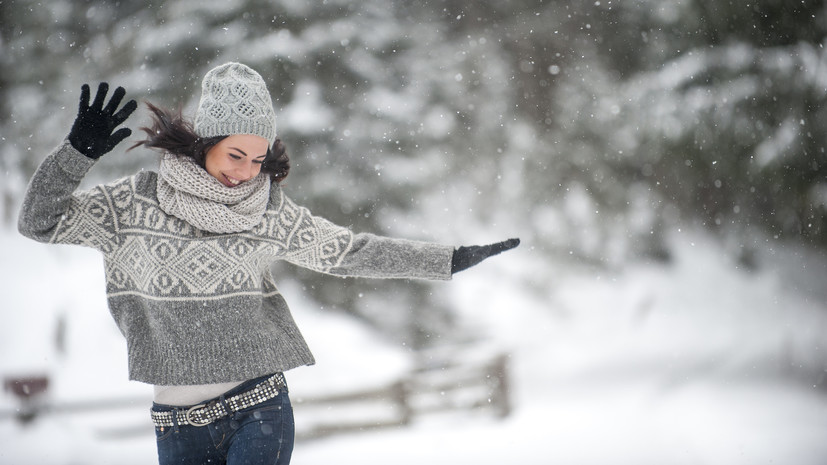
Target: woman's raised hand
(92, 134)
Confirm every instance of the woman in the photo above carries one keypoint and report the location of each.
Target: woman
(187, 254)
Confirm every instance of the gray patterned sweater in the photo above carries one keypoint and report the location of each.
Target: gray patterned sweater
(197, 307)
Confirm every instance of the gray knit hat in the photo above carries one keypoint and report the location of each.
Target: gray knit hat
(235, 100)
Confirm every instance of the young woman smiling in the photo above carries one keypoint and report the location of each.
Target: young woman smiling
(187, 253)
(229, 162)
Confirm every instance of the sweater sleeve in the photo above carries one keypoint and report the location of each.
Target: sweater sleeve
(53, 212)
(314, 242)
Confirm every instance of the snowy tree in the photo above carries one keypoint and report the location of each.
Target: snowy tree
(709, 108)
(587, 128)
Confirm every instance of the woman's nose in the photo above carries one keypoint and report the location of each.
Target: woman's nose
(245, 171)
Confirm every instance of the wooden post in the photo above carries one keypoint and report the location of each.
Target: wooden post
(399, 391)
(501, 394)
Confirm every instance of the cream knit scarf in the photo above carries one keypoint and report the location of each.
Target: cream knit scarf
(187, 191)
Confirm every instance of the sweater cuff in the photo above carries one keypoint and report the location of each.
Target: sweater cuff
(71, 161)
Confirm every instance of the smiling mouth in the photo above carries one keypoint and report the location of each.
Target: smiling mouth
(231, 182)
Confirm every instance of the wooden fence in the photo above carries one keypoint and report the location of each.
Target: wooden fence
(432, 388)
(438, 385)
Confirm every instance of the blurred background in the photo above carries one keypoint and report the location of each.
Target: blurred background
(662, 161)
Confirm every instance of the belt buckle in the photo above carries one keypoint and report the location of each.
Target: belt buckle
(193, 422)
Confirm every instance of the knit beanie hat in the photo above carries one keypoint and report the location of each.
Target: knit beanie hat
(235, 100)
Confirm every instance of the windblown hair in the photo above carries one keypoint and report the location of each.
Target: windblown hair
(171, 132)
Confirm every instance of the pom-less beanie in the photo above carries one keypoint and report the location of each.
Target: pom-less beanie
(235, 100)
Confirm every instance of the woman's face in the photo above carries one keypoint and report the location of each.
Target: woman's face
(236, 158)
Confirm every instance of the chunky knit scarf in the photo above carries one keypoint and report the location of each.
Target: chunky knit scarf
(189, 192)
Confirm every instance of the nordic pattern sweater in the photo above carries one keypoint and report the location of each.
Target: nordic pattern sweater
(197, 307)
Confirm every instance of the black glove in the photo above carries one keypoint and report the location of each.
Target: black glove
(92, 133)
(466, 257)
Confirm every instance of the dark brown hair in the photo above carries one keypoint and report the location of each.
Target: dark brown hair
(171, 132)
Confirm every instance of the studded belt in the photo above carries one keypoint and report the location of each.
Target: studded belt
(204, 414)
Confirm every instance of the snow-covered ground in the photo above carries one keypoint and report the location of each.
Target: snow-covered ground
(696, 362)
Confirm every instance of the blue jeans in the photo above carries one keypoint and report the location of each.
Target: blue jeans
(262, 434)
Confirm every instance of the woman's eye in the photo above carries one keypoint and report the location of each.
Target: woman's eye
(260, 162)
(234, 157)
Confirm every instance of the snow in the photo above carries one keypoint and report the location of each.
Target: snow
(306, 113)
(696, 362)
(587, 129)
